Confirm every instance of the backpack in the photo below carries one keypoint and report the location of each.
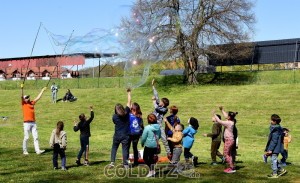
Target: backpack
(135, 125)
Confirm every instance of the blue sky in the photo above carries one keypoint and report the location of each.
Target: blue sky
(20, 20)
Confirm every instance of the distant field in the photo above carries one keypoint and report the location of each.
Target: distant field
(254, 102)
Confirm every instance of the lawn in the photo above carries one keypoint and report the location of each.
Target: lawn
(254, 103)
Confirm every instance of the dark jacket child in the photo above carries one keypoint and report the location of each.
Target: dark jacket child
(160, 109)
(121, 135)
(173, 119)
(275, 146)
(85, 133)
(58, 141)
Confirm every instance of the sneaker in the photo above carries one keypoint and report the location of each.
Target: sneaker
(281, 172)
(78, 162)
(40, 152)
(195, 160)
(55, 168)
(25, 153)
(86, 163)
(111, 165)
(151, 173)
(63, 168)
(265, 158)
(229, 170)
(273, 175)
(213, 163)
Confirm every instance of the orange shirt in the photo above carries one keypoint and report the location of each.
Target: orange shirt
(286, 141)
(28, 111)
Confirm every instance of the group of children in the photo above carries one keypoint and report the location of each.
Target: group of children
(129, 128)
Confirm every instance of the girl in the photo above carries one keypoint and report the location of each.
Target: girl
(188, 139)
(85, 133)
(121, 136)
(229, 140)
(150, 137)
(58, 141)
(136, 126)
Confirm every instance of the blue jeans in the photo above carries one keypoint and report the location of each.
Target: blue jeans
(117, 140)
(84, 142)
(58, 151)
(274, 163)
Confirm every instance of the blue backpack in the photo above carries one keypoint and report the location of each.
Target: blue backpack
(135, 125)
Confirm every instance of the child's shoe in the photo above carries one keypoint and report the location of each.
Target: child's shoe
(63, 168)
(86, 162)
(281, 172)
(195, 160)
(78, 162)
(111, 165)
(273, 175)
(265, 158)
(229, 170)
(151, 173)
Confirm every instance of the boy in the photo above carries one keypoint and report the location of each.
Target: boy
(160, 109)
(275, 146)
(215, 141)
(286, 140)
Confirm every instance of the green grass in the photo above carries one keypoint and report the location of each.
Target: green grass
(255, 104)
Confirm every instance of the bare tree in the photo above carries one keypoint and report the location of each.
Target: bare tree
(168, 29)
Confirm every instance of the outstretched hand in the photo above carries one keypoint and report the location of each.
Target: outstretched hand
(128, 89)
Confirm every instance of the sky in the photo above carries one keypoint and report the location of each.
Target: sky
(20, 21)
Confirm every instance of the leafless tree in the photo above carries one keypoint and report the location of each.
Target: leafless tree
(168, 29)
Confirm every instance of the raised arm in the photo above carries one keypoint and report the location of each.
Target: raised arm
(40, 94)
(129, 97)
(155, 97)
(22, 92)
(225, 114)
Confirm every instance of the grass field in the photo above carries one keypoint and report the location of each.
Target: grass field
(255, 104)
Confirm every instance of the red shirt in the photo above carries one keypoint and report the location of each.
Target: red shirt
(28, 111)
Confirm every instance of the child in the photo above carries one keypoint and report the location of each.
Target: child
(58, 141)
(228, 137)
(286, 140)
(121, 135)
(85, 133)
(173, 121)
(159, 111)
(176, 140)
(54, 90)
(275, 146)
(188, 140)
(149, 139)
(136, 126)
(215, 141)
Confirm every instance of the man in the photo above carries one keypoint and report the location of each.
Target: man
(54, 90)
(29, 121)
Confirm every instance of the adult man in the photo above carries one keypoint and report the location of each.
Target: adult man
(54, 90)
(29, 120)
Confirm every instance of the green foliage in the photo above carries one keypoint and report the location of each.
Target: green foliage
(255, 104)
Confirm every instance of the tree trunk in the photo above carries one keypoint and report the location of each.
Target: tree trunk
(191, 71)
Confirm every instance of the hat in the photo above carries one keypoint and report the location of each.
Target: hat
(26, 96)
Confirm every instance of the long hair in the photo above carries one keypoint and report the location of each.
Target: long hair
(151, 118)
(59, 127)
(136, 109)
(120, 110)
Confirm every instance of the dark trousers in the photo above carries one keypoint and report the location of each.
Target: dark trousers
(117, 140)
(187, 153)
(171, 145)
(148, 157)
(284, 155)
(84, 142)
(214, 150)
(134, 139)
(58, 151)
